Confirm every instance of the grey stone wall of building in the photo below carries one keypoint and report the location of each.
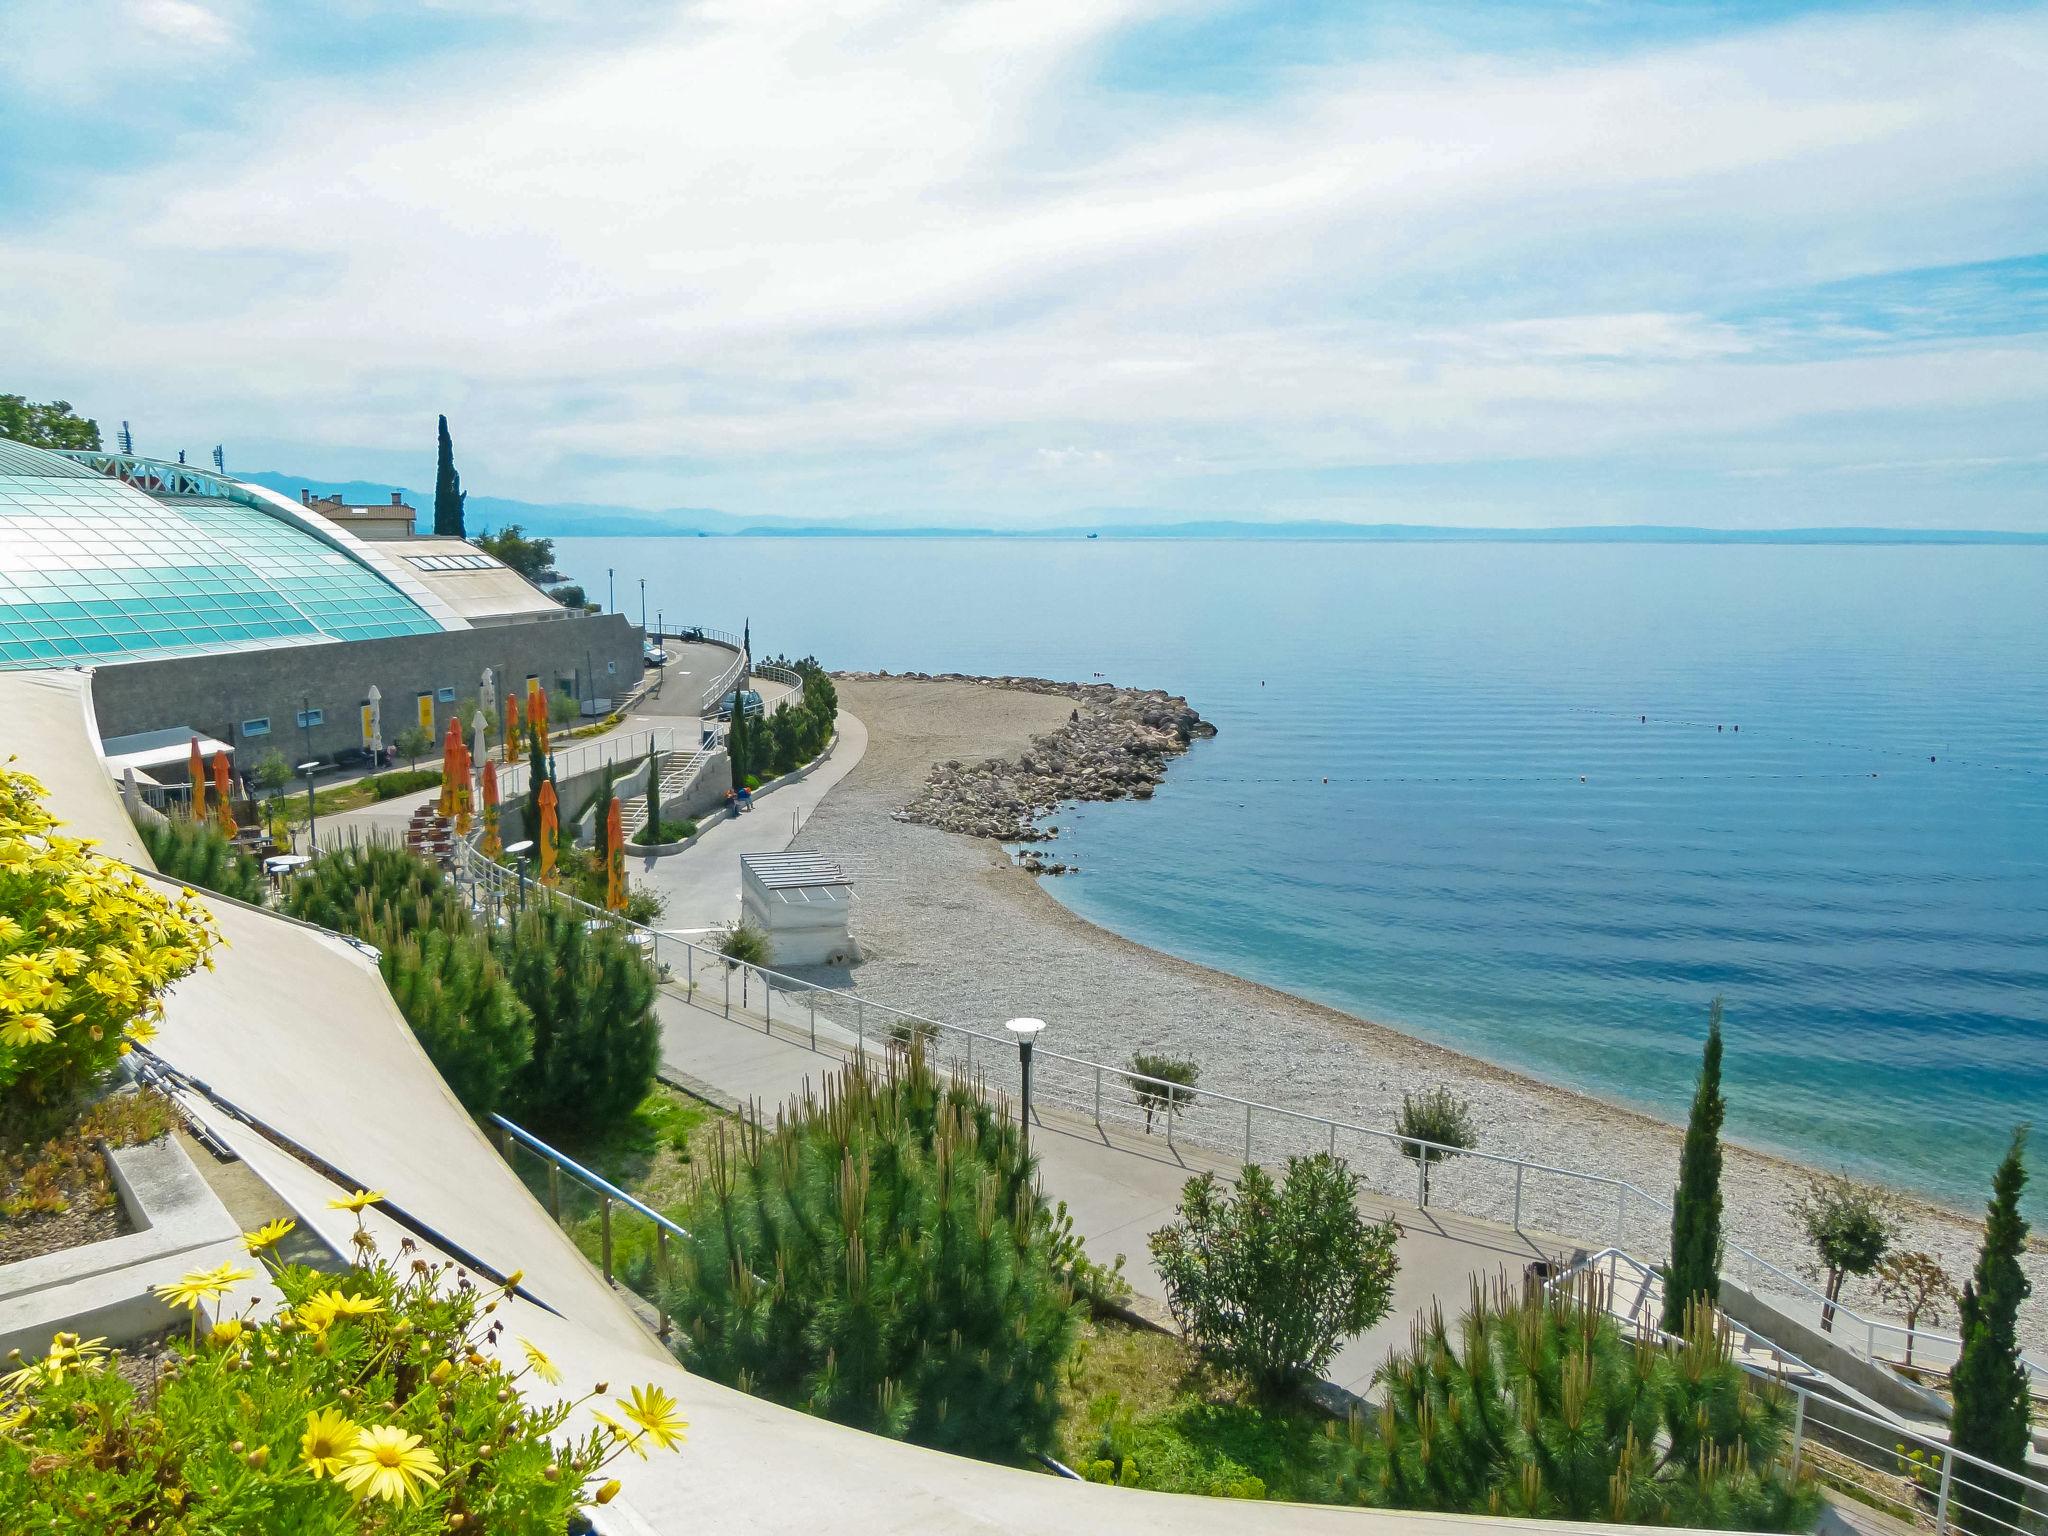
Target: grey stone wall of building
(585, 655)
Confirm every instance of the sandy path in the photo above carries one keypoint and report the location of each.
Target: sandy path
(950, 928)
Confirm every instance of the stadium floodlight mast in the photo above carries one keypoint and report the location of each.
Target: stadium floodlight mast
(1026, 1031)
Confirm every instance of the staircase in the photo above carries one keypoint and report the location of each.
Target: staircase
(677, 772)
(1634, 1293)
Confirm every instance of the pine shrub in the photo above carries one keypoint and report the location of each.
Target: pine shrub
(1538, 1406)
(596, 1041)
(200, 854)
(448, 982)
(880, 1257)
(349, 885)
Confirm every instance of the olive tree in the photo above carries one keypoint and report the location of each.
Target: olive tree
(1159, 1083)
(1267, 1279)
(1435, 1126)
(1850, 1226)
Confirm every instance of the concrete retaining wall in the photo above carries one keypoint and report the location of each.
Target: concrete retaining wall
(218, 694)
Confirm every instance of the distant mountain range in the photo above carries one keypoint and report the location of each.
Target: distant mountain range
(592, 520)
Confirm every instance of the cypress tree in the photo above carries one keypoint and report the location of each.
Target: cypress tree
(1696, 1245)
(448, 493)
(1990, 1383)
(736, 744)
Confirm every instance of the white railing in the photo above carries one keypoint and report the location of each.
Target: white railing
(599, 752)
(1527, 1196)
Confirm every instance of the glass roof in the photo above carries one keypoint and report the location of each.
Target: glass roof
(95, 570)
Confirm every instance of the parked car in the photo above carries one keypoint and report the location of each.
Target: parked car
(749, 702)
(654, 656)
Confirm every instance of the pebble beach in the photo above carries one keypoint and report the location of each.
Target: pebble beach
(951, 927)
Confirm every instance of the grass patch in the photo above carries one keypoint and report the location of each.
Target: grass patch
(1139, 1408)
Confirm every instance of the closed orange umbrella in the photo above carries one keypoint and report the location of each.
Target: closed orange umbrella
(451, 763)
(513, 726)
(462, 805)
(550, 830)
(537, 714)
(197, 767)
(222, 794)
(614, 858)
(493, 848)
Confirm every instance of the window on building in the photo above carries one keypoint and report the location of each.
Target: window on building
(445, 695)
(311, 717)
(259, 727)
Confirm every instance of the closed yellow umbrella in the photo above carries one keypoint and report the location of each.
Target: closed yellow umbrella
(222, 795)
(197, 767)
(550, 830)
(513, 726)
(451, 764)
(462, 805)
(614, 858)
(493, 848)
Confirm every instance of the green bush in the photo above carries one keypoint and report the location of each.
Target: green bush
(1266, 1280)
(1439, 1117)
(257, 1426)
(389, 786)
(747, 944)
(596, 1041)
(880, 1257)
(1163, 1097)
(348, 887)
(448, 982)
(1540, 1406)
(665, 832)
(199, 853)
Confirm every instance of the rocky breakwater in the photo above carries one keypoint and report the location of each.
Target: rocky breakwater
(1115, 745)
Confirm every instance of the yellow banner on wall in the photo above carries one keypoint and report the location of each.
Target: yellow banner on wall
(427, 712)
(369, 726)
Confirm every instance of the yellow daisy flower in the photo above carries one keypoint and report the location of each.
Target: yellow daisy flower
(630, 1438)
(358, 1201)
(269, 1235)
(387, 1463)
(543, 1367)
(654, 1410)
(229, 1330)
(328, 1439)
(201, 1285)
(27, 1029)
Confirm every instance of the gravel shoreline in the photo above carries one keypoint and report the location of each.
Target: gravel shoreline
(949, 926)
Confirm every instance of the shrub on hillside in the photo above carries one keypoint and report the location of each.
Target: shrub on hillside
(348, 887)
(596, 1041)
(1538, 1405)
(880, 1258)
(1266, 1280)
(87, 950)
(447, 980)
(199, 853)
(372, 1402)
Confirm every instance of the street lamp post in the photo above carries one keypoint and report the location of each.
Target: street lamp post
(610, 605)
(519, 851)
(1026, 1031)
(643, 607)
(312, 810)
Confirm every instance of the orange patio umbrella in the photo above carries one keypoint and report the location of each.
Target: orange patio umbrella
(462, 795)
(550, 830)
(614, 858)
(222, 794)
(493, 848)
(537, 714)
(197, 768)
(513, 726)
(451, 765)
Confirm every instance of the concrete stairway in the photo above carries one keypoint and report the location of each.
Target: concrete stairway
(678, 769)
(1635, 1296)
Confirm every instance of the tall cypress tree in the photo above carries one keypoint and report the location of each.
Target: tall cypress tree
(448, 493)
(1696, 1244)
(1990, 1383)
(736, 743)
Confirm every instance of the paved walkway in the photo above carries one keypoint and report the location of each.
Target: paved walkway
(702, 883)
(1119, 1187)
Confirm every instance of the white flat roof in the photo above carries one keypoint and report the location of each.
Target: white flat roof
(793, 871)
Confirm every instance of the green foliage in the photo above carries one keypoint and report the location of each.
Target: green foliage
(1696, 1243)
(529, 557)
(1266, 1280)
(744, 942)
(450, 985)
(273, 771)
(1539, 1406)
(784, 741)
(200, 853)
(412, 744)
(569, 595)
(1164, 1096)
(350, 886)
(596, 1041)
(879, 1257)
(49, 425)
(389, 786)
(1437, 1116)
(219, 1442)
(652, 833)
(1989, 1382)
(449, 497)
(1850, 1226)
(88, 947)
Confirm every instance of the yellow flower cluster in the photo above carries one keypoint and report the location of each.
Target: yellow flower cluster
(87, 946)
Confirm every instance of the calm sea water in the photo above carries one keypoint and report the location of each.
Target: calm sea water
(1496, 795)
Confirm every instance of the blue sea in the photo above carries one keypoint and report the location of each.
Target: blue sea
(1540, 802)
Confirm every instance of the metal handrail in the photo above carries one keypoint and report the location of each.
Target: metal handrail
(577, 1171)
(1184, 1096)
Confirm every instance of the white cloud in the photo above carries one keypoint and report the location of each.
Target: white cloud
(890, 231)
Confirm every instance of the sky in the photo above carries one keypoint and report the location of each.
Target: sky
(1023, 262)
